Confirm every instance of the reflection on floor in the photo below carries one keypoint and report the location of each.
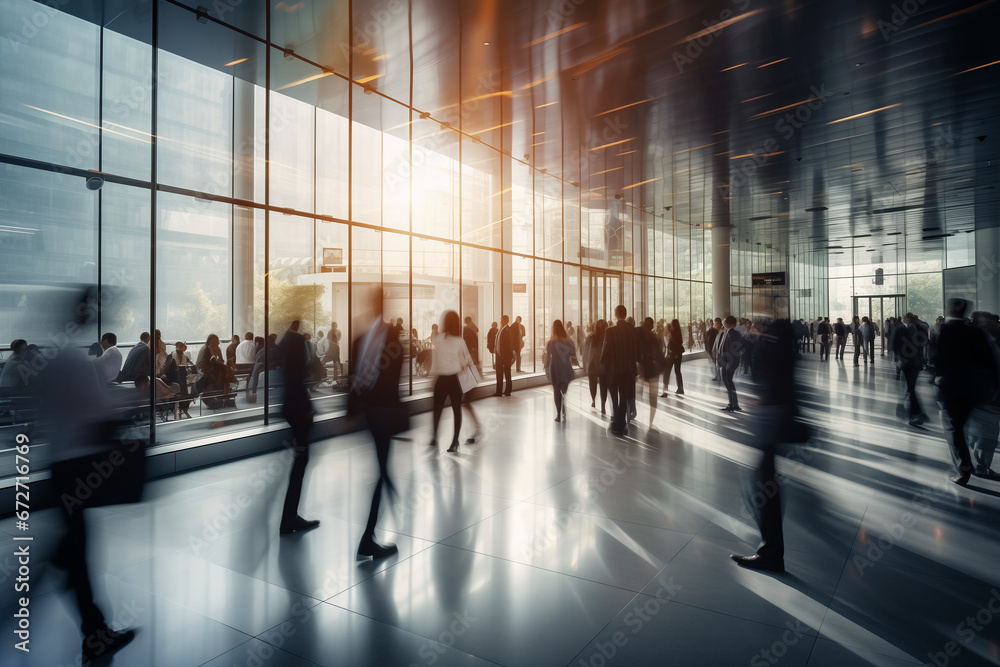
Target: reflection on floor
(553, 544)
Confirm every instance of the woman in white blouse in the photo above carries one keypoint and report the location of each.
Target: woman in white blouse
(449, 359)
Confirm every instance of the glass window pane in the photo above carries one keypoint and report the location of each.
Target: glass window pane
(49, 85)
(194, 126)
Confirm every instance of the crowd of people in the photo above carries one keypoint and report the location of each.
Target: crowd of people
(960, 354)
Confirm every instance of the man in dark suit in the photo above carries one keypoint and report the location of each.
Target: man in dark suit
(504, 346)
(730, 350)
(908, 351)
(619, 356)
(711, 333)
(775, 424)
(840, 329)
(470, 334)
(965, 372)
(824, 331)
(137, 361)
(517, 339)
(298, 412)
(375, 365)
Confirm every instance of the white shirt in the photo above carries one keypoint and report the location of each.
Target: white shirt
(246, 352)
(109, 364)
(450, 355)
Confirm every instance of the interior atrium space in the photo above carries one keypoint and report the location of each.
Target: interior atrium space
(302, 301)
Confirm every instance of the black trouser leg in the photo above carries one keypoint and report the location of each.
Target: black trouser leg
(382, 442)
(454, 391)
(958, 415)
(619, 404)
(73, 548)
(437, 402)
(603, 382)
(772, 542)
(680, 378)
(911, 374)
(592, 381)
(727, 380)
(290, 510)
(557, 396)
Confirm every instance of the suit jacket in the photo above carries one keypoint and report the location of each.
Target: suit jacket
(903, 342)
(385, 392)
(730, 348)
(292, 351)
(136, 363)
(469, 335)
(620, 352)
(504, 344)
(963, 360)
(517, 335)
(710, 337)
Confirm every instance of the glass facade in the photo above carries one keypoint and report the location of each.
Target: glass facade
(248, 181)
(266, 163)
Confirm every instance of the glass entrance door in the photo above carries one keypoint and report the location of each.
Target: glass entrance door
(878, 309)
(603, 293)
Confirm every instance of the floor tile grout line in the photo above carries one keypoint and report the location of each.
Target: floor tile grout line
(278, 648)
(373, 620)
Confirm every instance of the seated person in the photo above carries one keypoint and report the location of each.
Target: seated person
(231, 351)
(246, 353)
(10, 377)
(258, 366)
(109, 364)
(137, 361)
(177, 370)
(215, 375)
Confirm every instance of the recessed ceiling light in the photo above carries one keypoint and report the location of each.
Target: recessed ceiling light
(576, 78)
(486, 43)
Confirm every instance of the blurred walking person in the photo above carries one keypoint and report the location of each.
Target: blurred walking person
(774, 424)
(675, 350)
(376, 363)
(451, 357)
(560, 354)
(619, 356)
(597, 374)
(298, 412)
(966, 375)
(82, 418)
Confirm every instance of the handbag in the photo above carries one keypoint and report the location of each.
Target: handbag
(469, 378)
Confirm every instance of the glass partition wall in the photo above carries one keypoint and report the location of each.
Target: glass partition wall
(258, 167)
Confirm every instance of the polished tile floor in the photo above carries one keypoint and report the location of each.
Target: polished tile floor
(554, 544)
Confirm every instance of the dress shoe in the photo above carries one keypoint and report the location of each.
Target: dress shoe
(498, 394)
(680, 392)
(558, 418)
(433, 442)
(737, 408)
(297, 526)
(755, 562)
(962, 480)
(507, 393)
(374, 550)
(104, 642)
(728, 408)
(475, 436)
(454, 448)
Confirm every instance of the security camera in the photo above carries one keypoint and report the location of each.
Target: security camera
(95, 182)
